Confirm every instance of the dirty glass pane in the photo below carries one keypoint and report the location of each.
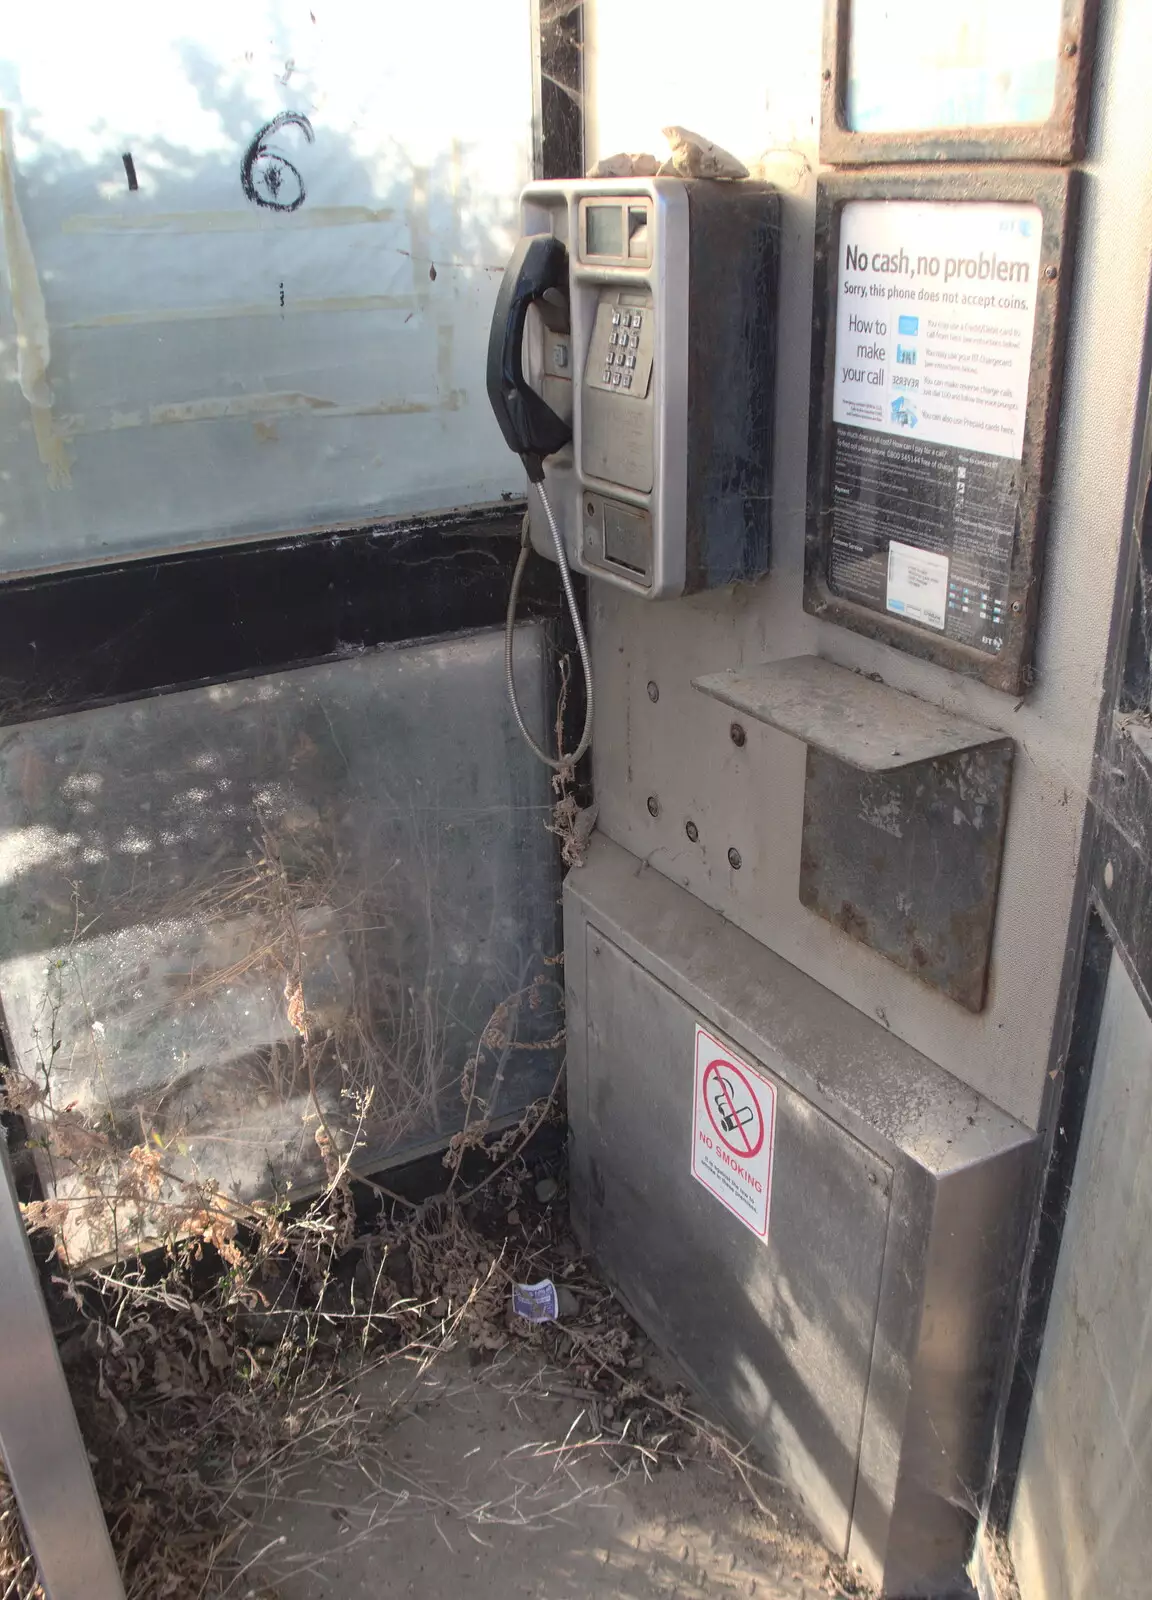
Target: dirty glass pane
(248, 257)
(977, 63)
(255, 930)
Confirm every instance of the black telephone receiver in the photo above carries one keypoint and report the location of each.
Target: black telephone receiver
(530, 426)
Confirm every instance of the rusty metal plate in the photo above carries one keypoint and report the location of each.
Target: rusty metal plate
(858, 720)
(1053, 193)
(908, 861)
(1062, 137)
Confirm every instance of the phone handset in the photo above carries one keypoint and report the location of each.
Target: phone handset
(532, 429)
(530, 426)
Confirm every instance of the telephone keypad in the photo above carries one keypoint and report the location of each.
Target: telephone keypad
(622, 338)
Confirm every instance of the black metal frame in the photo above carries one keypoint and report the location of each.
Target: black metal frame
(1062, 138)
(558, 29)
(75, 639)
(1054, 192)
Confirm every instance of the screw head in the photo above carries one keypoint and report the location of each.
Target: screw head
(653, 690)
(692, 831)
(1071, 47)
(734, 859)
(1017, 608)
(737, 735)
(653, 806)
(1050, 274)
(589, 508)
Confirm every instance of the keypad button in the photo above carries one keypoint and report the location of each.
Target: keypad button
(629, 361)
(626, 319)
(635, 319)
(615, 319)
(616, 376)
(614, 338)
(635, 341)
(607, 374)
(627, 380)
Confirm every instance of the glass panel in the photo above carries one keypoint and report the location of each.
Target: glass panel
(250, 253)
(980, 63)
(247, 924)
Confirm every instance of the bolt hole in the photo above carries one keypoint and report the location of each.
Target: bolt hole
(692, 831)
(653, 806)
(589, 508)
(653, 690)
(735, 860)
(737, 735)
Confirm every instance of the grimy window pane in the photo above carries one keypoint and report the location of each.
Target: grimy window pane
(252, 931)
(249, 253)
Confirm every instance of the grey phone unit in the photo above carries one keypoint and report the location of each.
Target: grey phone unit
(661, 357)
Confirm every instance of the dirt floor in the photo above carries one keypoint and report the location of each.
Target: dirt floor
(359, 1406)
(468, 1485)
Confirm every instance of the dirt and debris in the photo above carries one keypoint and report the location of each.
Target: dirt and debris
(267, 1408)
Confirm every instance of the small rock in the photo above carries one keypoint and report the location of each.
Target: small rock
(547, 1190)
(626, 165)
(513, 1218)
(696, 157)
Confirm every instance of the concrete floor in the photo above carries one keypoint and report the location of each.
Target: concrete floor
(465, 1486)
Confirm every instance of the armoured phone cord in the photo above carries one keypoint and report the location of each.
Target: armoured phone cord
(560, 762)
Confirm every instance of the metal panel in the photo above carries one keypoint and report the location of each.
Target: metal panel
(750, 798)
(798, 1310)
(856, 719)
(756, 1323)
(43, 1452)
(909, 862)
(904, 814)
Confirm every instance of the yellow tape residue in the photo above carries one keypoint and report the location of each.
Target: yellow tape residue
(31, 319)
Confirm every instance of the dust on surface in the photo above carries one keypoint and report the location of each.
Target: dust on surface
(341, 1400)
(484, 1481)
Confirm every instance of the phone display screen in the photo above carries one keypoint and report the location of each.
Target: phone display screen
(604, 235)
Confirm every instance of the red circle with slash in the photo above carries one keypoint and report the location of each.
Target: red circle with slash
(723, 1095)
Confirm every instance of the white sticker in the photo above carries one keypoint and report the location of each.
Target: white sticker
(917, 584)
(733, 1132)
(936, 302)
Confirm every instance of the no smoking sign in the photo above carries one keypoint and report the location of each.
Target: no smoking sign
(733, 1132)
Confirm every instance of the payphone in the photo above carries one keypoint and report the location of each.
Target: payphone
(631, 366)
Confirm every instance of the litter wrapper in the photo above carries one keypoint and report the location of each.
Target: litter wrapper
(536, 1302)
